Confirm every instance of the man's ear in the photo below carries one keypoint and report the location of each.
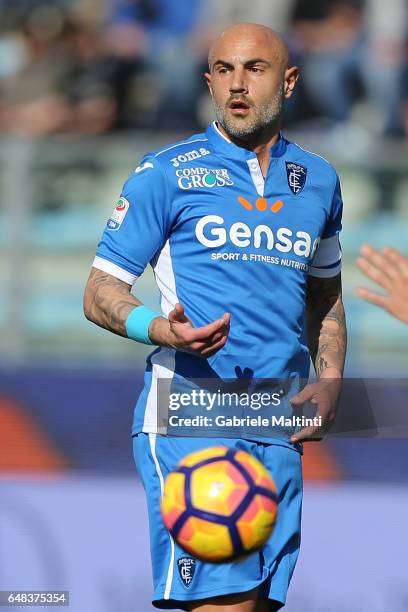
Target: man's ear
(291, 78)
(207, 76)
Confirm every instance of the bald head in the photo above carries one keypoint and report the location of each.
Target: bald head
(249, 79)
(243, 36)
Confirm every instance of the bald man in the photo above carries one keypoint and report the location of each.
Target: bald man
(241, 228)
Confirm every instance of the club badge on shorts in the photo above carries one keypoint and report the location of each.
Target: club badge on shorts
(296, 177)
(186, 568)
(119, 213)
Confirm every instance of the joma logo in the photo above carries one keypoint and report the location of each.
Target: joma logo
(189, 156)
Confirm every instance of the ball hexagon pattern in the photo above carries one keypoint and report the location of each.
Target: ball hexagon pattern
(219, 504)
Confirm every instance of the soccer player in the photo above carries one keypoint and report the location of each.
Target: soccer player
(388, 269)
(241, 228)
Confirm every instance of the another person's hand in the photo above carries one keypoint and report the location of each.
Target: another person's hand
(178, 332)
(325, 394)
(389, 269)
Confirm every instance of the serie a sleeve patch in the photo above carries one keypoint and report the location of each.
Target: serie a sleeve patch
(118, 214)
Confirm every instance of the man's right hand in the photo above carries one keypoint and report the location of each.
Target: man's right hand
(179, 333)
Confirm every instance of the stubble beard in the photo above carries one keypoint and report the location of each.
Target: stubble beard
(261, 118)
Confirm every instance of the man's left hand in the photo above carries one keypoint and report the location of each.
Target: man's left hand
(324, 393)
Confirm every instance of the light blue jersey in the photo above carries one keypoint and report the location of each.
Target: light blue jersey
(221, 237)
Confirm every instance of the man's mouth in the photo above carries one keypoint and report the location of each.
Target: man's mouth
(238, 107)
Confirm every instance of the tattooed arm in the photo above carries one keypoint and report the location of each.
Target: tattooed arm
(326, 326)
(327, 336)
(108, 303)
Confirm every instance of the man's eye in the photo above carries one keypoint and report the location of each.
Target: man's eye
(223, 70)
(256, 69)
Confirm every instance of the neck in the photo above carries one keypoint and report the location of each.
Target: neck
(259, 142)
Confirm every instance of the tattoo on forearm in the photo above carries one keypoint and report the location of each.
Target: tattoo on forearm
(323, 364)
(332, 340)
(108, 301)
(326, 324)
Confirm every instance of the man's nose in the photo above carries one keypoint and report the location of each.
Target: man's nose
(238, 83)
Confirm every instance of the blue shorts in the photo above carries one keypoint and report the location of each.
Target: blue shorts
(270, 569)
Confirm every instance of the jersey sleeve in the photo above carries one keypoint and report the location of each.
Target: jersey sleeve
(139, 225)
(327, 259)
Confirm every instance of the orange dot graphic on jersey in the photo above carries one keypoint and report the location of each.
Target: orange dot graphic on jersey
(245, 203)
(261, 204)
(276, 206)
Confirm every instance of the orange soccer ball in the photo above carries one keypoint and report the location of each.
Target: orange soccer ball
(219, 504)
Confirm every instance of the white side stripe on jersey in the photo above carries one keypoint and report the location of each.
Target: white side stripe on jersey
(165, 280)
(170, 571)
(110, 268)
(163, 362)
(163, 366)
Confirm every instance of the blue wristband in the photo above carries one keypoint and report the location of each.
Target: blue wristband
(137, 324)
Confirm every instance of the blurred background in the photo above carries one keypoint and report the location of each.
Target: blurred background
(86, 88)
